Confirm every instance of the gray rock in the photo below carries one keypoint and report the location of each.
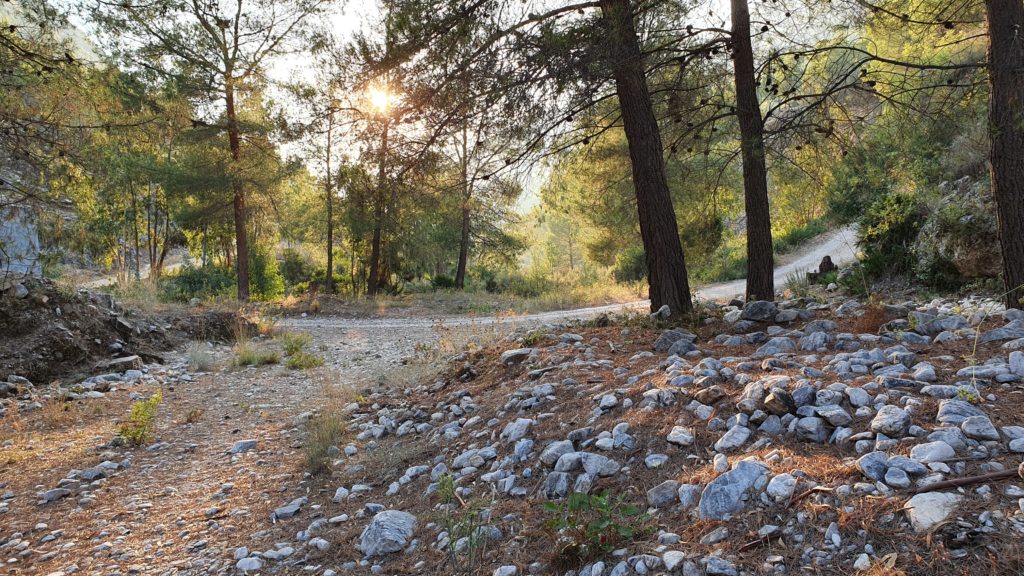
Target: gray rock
(719, 567)
(680, 436)
(249, 564)
(724, 495)
(891, 421)
(663, 494)
(556, 450)
(873, 465)
(290, 509)
(55, 494)
(388, 532)
(1017, 362)
(510, 357)
(243, 446)
(897, 478)
(835, 415)
(759, 311)
(688, 495)
(937, 451)
(733, 439)
(774, 347)
(956, 411)
(979, 428)
(670, 337)
(556, 485)
(928, 509)
(811, 429)
(599, 465)
(781, 487)
(516, 429)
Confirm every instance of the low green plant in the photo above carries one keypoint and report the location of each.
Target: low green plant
(138, 429)
(532, 337)
(303, 361)
(323, 432)
(798, 284)
(294, 342)
(248, 355)
(589, 526)
(468, 538)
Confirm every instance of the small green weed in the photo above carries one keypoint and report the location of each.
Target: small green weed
(138, 429)
(322, 434)
(467, 536)
(588, 526)
(294, 342)
(532, 338)
(304, 361)
(248, 355)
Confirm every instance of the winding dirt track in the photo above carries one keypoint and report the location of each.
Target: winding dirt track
(369, 347)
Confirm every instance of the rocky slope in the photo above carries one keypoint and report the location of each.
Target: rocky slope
(791, 438)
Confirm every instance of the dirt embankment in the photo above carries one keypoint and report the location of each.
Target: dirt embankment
(48, 333)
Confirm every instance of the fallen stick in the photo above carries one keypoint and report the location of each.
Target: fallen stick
(969, 480)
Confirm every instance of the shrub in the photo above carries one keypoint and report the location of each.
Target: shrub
(888, 231)
(138, 429)
(304, 361)
(265, 280)
(294, 267)
(322, 433)
(294, 342)
(630, 265)
(202, 283)
(589, 526)
(199, 357)
(247, 355)
(442, 281)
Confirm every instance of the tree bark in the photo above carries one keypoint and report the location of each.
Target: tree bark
(1006, 132)
(373, 281)
(460, 271)
(329, 282)
(666, 265)
(760, 258)
(241, 232)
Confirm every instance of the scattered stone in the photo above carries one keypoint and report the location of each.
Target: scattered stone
(928, 509)
(388, 532)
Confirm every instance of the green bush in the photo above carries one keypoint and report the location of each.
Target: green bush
(191, 282)
(888, 231)
(302, 360)
(138, 429)
(442, 281)
(295, 268)
(265, 280)
(795, 237)
(589, 526)
(630, 265)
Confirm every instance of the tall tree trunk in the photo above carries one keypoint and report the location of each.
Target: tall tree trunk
(330, 206)
(460, 270)
(666, 266)
(1006, 131)
(372, 281)
(241, 233)
(135, 232)
(760, 259)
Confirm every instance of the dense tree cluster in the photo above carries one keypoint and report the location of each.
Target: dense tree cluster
(674, 140)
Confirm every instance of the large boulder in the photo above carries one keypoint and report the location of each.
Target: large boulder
(389, 531)
(724, 495)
